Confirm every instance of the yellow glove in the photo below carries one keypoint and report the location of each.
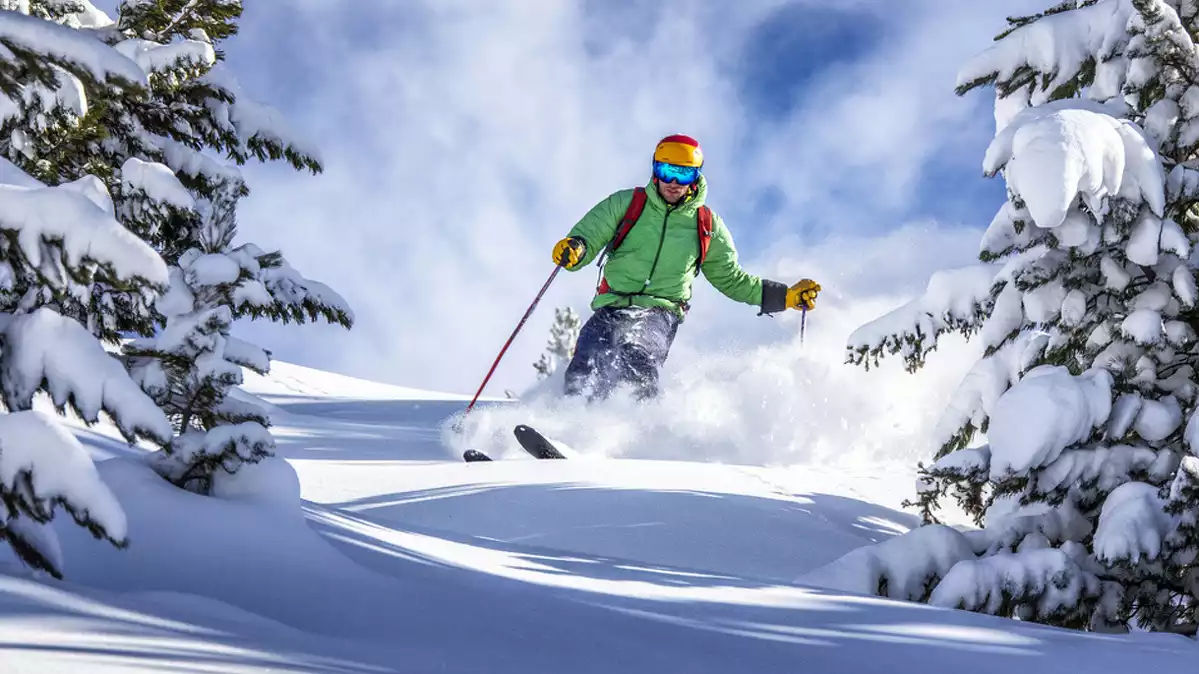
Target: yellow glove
(569, 251)
(802, 295)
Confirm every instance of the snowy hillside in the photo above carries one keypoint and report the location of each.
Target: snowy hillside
(286, 379)
(406, 559)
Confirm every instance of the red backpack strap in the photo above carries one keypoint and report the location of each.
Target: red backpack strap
(631, 215)
(703, 226)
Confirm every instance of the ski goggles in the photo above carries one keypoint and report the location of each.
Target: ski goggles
(673, 173)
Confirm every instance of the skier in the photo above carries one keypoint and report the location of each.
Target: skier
(656, 240)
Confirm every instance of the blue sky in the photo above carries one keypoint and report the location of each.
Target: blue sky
(462, 138)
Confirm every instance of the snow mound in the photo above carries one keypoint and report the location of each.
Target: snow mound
(270, 481)
(1132, 524)
(1044, 413)
(900, 568)
(1055, 153)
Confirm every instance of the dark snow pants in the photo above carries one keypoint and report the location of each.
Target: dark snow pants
(621, 346)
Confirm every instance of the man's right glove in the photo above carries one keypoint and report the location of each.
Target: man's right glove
(802, 295)
(569, 251)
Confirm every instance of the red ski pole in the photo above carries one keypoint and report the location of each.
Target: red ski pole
(507, 344)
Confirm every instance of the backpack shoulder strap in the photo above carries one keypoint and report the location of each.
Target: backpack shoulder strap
(703, 226)
(631, 215)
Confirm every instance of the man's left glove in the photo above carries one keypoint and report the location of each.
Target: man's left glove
(802, 295)
(568, 252)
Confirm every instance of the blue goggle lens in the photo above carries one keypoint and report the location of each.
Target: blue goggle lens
(673, 173)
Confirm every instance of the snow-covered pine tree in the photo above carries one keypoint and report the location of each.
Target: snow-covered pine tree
(1087, 488)
(193, 363)
(164, 20)
(545, 366)
(48, 113)
(65, 263)
(145, 147)
(563, 335)
(160, 157)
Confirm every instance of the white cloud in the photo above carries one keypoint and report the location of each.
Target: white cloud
(460, 150)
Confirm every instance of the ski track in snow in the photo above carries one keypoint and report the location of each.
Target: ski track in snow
(404, 561)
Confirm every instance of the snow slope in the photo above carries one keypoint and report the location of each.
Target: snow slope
(406, 559)
(296, 381)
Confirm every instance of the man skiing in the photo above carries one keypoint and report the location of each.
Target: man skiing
(657, 241)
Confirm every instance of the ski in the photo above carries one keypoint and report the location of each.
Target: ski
(530, 440)
(535, 443)
(473, 455)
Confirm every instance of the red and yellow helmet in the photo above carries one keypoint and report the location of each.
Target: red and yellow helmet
(679, 150)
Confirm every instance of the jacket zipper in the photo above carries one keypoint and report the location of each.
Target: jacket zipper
(661, 243)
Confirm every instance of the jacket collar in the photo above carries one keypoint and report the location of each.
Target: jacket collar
(689, 205)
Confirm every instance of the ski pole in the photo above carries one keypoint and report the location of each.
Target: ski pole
(528, 312)
(803, 324)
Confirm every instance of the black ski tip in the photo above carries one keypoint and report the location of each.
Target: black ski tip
(535, 443)
(473, 455)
